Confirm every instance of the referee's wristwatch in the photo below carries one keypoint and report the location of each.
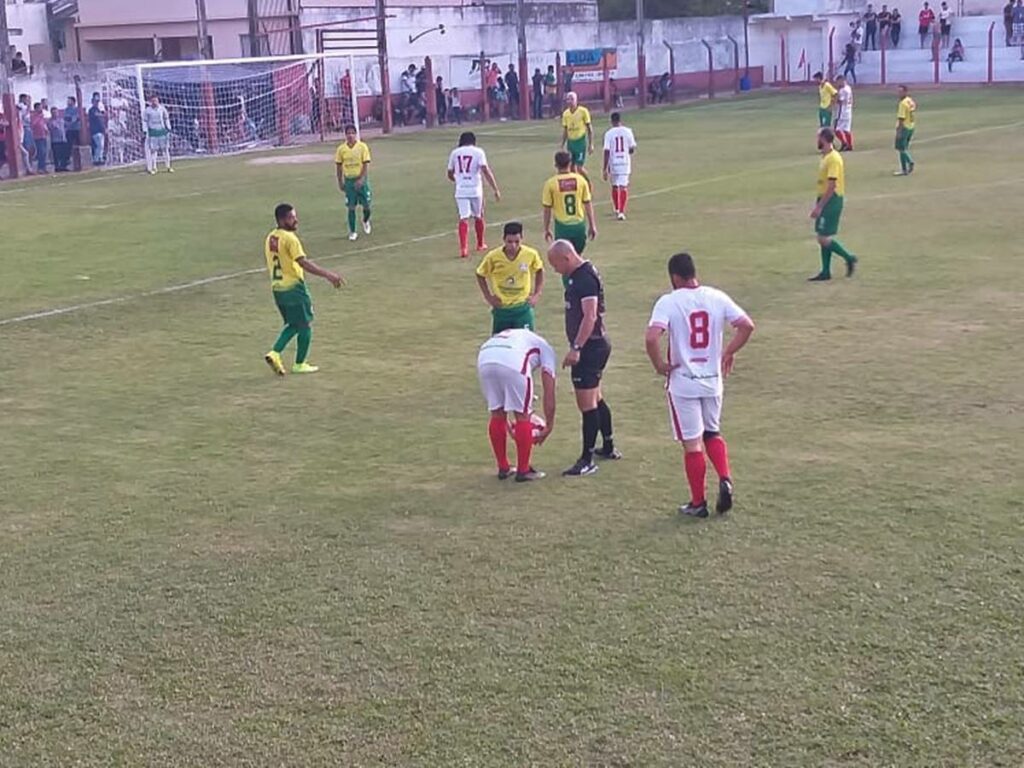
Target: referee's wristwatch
(575, 347)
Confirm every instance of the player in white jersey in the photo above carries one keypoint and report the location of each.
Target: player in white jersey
(844, 114)
(695, 316)
(467, 167)
(619, 146)
(158, 134)
(505, 367)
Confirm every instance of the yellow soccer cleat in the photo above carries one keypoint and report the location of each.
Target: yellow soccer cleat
(304, 368)
(274, 361)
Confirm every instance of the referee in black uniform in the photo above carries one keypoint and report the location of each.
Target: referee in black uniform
(588, 354)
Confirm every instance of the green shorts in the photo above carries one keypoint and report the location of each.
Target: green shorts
(578, 149)
(295, 306)
(354, 197)
(517, 316)
(828, 223)
(903, 137)
(824, 117)
(575, 233)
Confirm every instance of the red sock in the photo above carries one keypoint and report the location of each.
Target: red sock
(718, 452)
(849, 140)
(524, 446)
(480, 232)
(623, 198)
(696, 468)
(463, 236)
(498, 430)
(615, 199)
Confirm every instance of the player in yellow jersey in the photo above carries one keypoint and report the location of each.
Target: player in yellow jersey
(577, 133)
(828, 208)
(566, 196)
(511, 279)
(826, 95)
(905, 114)
(353, 164)
(287, 263)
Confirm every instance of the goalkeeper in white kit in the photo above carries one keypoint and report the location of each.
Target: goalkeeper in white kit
(158, 135)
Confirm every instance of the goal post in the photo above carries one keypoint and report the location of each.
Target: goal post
(226, 106)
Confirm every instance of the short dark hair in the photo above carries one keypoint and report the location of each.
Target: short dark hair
(616, 117)
(681, 265)
(512, 228)
(562, 159)
(351, 127)
(467, 138)
(817, 76)
(827, 134)
(282, 210)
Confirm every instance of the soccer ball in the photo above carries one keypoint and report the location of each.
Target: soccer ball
(535, 419)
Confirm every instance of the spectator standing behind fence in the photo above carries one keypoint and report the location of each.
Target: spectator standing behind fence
(26, 146)
(18, 65)
(945, 24)
(4, 127)
(455, 105)
(72, 123)
(491, 84)
(849, 62)
(884, 17)
(1008, 22)
(538, 92)
(896, 27)
(97, 129)
(1018, 23)
(440, 100)
(59, 142)
(40, 135)
(924, 23)
(551, 90)
(870, 29)
(512, 83)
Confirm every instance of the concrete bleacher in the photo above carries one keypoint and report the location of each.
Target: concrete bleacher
(909, 63)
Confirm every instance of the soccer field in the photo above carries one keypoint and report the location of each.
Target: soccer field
(205, 565)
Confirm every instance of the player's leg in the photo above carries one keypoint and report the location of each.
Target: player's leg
(150, 156)
(586, 379)
(350, 204)
(688, 428)
(607, 449)
(493, 387)
(908, 135)
(717, 450)
(833, 214)
(524, 429)
(465, 210)
(477, 211)
(366, 200)
(623, 194)
(167, 155)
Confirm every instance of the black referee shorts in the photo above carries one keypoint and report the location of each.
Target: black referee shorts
(586, 374)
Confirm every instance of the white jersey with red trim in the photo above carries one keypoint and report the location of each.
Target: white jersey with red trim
(620, 143)
(695, 319)
(466, 163)
(520, 349)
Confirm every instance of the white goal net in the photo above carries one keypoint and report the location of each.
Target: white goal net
(227, 106)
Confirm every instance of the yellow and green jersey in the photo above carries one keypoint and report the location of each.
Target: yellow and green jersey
(831, 167)
(565, 194)
(511, 280)
(905, 112)
(576, 122)
(351, 159)
(826, 92)
(283, 251)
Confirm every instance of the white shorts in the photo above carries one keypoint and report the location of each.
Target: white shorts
(691, 417)
(845, 124)
(505, 388)
(470, 207)
(619, 179)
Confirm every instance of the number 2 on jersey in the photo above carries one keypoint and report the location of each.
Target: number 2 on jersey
(276, 274)
(700, 330)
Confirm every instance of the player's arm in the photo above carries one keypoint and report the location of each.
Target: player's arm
(547, 223)
(491, 181)
(341, 176)
(652, 341)
(363, 171)
(590, 137)
(538, 287)
(588, 208)
(565, 134)
(547, 380)
(313, 268)
(485, 289)
(607, 160)
(743, 326)
(589, 306)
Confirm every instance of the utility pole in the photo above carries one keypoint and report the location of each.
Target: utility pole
(254, 29)
(7, 105)
(202, 34)
(641, 61)
(382, 62)
(524, 74)
(5, 50)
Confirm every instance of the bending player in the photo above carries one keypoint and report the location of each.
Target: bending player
(467, 167)
(619, 146)
(695, 316)
(505, 367)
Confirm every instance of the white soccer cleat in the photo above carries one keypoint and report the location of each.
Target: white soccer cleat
(353, 236)
(367, 228)
(152, 172)
(620, 216)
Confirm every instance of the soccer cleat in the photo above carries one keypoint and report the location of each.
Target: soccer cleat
(819, 278)
(463, 254)
(170, 170)
(533, 474)
(353, 236)
(367, 227)
(152, 172)
(274, 361)
(851, 266)
(899, 173)
(724, 503)
(481, 247)
(612, 454)
(504, 473)
(694, 510)
(304, 368)
(910, 169)
(580, 468)
(620, 216)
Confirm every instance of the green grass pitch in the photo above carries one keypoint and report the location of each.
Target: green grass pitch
(203, 565)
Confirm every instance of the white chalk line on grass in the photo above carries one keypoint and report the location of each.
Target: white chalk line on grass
(201, 282)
